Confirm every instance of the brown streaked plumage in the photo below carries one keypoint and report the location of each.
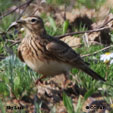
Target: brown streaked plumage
(48, 55)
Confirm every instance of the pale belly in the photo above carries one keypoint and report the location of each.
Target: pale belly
(50, 68)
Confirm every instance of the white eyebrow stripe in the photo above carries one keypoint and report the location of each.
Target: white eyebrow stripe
(27, 19)
(33, 18)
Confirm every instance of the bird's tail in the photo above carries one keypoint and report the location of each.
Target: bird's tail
(90, 72)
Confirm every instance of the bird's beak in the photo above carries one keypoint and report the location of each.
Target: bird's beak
(22, 21)
(13, 25)
(16, 24)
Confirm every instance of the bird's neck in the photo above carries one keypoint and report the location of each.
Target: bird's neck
(36, 34)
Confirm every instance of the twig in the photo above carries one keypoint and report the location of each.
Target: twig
(97, 51)
(8, 49)
(26, 3)
(16, 42)
(82, 32)
(2, 57)
(13, 41)
(24, 10)
(89, 31)
(107, 22)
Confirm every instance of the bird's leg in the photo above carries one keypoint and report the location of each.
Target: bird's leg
(40, 79)
(66, 81)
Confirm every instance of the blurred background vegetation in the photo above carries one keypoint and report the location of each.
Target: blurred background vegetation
(17, 81)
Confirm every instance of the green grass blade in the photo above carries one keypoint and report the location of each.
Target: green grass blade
(68, 103)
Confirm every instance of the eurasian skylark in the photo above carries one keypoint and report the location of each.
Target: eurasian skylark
(46, 54)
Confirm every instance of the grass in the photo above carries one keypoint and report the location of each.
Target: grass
(4, 5)
(96, 4)
(90, 3)
(58, 2)
(17, 79)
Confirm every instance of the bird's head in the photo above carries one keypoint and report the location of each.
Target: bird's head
(32, 24)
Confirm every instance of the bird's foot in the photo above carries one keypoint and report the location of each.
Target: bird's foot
(66, 83)
(39, 81)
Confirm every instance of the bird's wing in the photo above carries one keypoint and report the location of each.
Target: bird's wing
(20, 56)
(64, 53)
(20, 52)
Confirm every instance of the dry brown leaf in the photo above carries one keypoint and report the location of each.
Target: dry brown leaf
(109, 4)
(100, 23)
(93, 36)
(72, 41)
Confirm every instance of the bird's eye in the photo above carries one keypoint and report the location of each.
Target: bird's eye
(33, 20)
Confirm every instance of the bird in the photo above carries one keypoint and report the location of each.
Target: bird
(46, 54)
